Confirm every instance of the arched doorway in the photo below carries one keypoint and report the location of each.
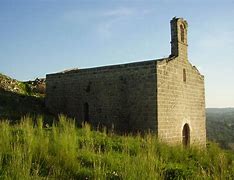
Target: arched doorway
(86, 112)
(186, 135)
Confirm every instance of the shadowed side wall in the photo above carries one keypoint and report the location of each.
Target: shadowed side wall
(120, 95)
(181, 101)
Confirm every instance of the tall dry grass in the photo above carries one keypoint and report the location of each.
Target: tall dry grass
(29, 150)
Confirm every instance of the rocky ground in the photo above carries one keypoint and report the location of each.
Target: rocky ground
(18, 99)
(10, 85)
(35, 88)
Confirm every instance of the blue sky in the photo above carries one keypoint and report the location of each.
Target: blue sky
(44, 36)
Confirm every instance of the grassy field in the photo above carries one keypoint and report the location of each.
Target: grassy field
(30, 150)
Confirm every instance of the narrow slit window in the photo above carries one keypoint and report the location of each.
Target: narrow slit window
(184, 75)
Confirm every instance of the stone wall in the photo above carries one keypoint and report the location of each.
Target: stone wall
(180, 102)
(180, 92)
(123, 96)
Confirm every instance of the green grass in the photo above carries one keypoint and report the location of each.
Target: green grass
(31, 150)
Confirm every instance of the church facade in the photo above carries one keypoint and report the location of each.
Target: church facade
(165, 96)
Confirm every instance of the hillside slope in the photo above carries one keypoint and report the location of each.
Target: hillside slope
(18, 98)
(11, 85)
(32, 88)
(220, 126)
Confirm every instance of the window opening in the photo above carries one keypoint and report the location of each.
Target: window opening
(184, 75)
(182, 32)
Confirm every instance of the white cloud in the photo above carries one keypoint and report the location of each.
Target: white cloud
(119, 12)
(104, 20)
(125, 12)
(105, 28)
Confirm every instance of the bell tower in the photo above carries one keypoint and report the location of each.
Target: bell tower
(179, 43)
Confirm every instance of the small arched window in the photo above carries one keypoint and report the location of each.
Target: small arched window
(182, 32)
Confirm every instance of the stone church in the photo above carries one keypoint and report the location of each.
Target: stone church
(165, 96)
